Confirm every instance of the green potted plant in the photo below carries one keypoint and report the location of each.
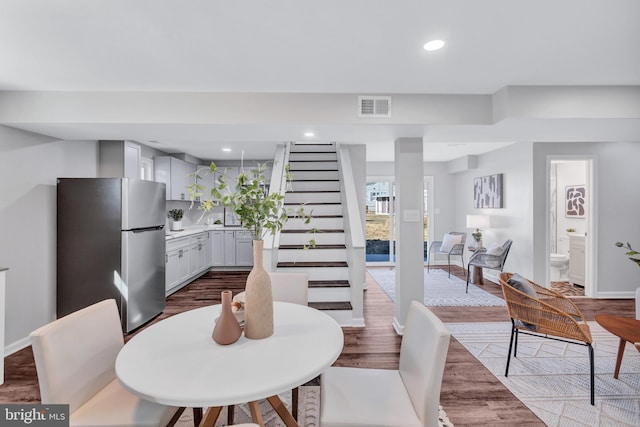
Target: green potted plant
(631, 253)
(477, 237)
(175, 215)
(259, 212)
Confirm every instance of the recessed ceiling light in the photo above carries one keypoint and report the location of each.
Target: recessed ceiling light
(309, 134)
(226, 150)
(433, 45)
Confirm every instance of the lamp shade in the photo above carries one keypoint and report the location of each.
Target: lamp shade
(477, 221)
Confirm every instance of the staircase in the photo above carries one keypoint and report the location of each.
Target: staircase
(316, 183)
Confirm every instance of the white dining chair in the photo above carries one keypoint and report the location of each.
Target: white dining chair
(407, 397)
(290, 287)
(293, 288)
(75, 361)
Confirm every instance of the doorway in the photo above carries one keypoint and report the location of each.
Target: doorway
(570, 254)
(380, 232)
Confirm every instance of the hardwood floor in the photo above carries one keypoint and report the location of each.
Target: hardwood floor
(470, 394)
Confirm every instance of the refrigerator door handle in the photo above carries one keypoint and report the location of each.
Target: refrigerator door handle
(143, 229)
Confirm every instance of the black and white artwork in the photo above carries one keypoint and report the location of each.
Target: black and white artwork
(487, 191)
(575, 202)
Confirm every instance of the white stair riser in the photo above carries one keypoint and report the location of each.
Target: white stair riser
(312, 156)
(343, 317)
(315, 185)
(305, 255)
(312, 198)
(297, 148)
(320, 273)
(293, 165)
(315, 222)
(329, 294)
(320, 175)
(320, 238)
(312, 209)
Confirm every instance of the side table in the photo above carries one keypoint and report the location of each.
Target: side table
(626, 328)
(475, 272)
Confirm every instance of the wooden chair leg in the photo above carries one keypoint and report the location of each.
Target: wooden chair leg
(294, 403)
(231, 410)
(197, 416)
(176, 417)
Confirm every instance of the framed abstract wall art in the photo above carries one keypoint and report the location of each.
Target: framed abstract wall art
(575, 201)
(487, 191)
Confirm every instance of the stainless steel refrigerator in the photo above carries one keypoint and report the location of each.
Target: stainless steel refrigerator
(111, 244)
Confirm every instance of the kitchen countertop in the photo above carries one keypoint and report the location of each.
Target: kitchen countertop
(188, 231)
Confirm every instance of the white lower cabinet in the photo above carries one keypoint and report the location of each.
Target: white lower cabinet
(576, 259)
(244, 249)
(229, 248)
(217, 248)
(185, 258)
(188, 257)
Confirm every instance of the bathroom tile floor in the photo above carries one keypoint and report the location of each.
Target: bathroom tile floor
(565, 288)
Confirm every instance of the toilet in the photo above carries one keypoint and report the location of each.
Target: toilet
(559, 262)
(559, 267)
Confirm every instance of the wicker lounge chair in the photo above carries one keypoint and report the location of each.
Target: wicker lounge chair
(544, 313)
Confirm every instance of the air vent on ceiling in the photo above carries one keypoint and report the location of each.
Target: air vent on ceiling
(374, 106)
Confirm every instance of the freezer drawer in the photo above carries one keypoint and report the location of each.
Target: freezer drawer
(142, 283)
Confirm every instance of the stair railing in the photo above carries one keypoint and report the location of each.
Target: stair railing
(354, 233)
(278, 184)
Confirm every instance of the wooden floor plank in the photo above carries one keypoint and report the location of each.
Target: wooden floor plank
(470, 394)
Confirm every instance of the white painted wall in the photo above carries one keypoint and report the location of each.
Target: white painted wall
(444, 187)
(29, 166)
(569, 173)
(515, 220)
(615, 209)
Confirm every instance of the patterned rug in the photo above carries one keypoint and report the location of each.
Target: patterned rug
(552, 377)
(308, 411)
(439, 290)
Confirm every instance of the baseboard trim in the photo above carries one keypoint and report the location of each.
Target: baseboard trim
(397, 326)
(16, 346)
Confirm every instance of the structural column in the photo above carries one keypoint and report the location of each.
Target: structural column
(409, 227)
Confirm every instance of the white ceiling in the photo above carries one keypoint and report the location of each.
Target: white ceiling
(331, 46)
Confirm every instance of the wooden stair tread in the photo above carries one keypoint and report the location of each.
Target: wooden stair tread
(329, 284)
(312, 160)
(319, 264)
(331, 305)
(327, 246)
(315, 180)
(312, 191)
(311, 231)
(311, 203)
(316, 216)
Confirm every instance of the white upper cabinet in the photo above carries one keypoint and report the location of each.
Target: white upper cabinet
(119, 159)
(176, 174)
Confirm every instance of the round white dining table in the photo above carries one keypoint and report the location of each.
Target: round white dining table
(175, 361)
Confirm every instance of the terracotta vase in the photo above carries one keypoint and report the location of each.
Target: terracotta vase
(258, 305)
(227, 329)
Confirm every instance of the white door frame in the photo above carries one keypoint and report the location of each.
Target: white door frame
(591, 238)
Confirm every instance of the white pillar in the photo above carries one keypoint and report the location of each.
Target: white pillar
(409, 227)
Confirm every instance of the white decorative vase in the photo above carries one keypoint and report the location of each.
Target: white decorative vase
(258, 304)
(176, 225)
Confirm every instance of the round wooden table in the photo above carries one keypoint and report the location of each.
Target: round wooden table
(626, 328)
(175, 362)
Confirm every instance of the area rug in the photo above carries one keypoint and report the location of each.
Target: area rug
(308, 406)
(440, 290)
(552, 377)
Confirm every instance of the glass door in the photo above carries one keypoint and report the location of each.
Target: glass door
(380, 221)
